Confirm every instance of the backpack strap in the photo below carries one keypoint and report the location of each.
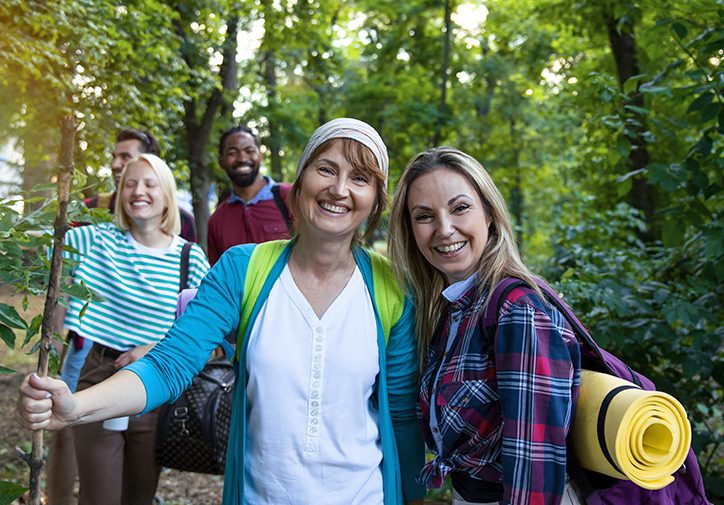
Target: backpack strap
(262, 260)
(389, 296)
(282, 206)
(183, 282)
(497, 297)
(504, 291)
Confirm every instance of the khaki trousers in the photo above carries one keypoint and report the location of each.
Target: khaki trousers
(115, 467)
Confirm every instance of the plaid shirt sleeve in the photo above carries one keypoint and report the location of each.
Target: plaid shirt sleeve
(538, 370)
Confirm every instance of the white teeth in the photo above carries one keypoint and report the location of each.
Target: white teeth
(450, 248)
(139, 204)
(332, 208)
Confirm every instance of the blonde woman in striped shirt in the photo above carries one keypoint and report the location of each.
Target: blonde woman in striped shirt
(134, 264)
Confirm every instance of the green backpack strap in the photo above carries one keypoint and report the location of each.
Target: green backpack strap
(262, 260)
(389, 296)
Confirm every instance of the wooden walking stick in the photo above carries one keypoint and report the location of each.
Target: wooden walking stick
(68, 128)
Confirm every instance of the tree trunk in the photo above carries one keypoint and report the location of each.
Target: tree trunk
(273, 142)
(623, 46)
(68, 129)
(445, 69)
(198, 129)
(196, 156)
(482, 105)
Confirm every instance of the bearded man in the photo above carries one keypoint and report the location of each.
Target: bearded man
(256, 210)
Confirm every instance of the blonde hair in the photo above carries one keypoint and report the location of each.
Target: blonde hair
(361, 158)
(500, 257)
(171, 221)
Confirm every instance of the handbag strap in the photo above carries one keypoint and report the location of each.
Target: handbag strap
(279, 201)
(183, 282)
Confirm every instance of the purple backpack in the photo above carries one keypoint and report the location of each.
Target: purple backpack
(598, 489)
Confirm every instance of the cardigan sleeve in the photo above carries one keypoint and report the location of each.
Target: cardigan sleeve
(402, 384)
(168, 369)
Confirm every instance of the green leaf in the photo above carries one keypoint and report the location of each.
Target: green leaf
(632, 83)
(690, 368)
(81, 292)
(638, 110)
(33, 329)
(701, 101)
(652, 90)
(710, 112)
(83, 310)
(623, 146)
(6, 370)
(704, 146)
(34, 349)
(624, 187)
(10, 491)
(680, 30)
(672, 233)
(10, 317)
(7, 335)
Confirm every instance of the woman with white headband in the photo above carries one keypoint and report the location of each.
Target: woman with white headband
(324, 408)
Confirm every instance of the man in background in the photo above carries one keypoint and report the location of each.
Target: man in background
(257, 210)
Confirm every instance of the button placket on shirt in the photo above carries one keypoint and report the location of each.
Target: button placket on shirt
(434, 421)
(314, 403)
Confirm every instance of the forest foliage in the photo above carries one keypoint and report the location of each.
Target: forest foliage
(601, 121)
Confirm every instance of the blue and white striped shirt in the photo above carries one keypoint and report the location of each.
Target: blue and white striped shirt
(140, 289)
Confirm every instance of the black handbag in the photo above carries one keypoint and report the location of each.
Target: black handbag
(193, 432)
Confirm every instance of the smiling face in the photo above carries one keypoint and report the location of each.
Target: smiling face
(449, 222)
(142, 196)
(335, 198)
(241, 159)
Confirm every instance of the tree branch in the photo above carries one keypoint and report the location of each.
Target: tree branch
(68, 128)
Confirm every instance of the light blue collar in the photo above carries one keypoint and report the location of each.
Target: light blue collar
(265, 193)
(454, 291)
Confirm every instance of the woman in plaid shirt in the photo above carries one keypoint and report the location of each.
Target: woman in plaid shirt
(495, 411)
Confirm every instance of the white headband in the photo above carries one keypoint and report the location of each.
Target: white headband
(347, 128)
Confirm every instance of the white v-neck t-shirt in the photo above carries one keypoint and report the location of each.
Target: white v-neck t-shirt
(312, 432)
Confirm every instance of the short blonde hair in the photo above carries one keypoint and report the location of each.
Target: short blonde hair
(171, 222)
(361, 158)
(500, 257)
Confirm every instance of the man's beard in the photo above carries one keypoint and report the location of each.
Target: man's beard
(244, 180)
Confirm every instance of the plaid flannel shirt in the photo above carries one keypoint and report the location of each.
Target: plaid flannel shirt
(502, 408)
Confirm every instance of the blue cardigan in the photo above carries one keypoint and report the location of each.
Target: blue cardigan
(215, 311)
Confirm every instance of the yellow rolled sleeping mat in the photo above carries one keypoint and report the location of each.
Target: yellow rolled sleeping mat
(626, 432)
